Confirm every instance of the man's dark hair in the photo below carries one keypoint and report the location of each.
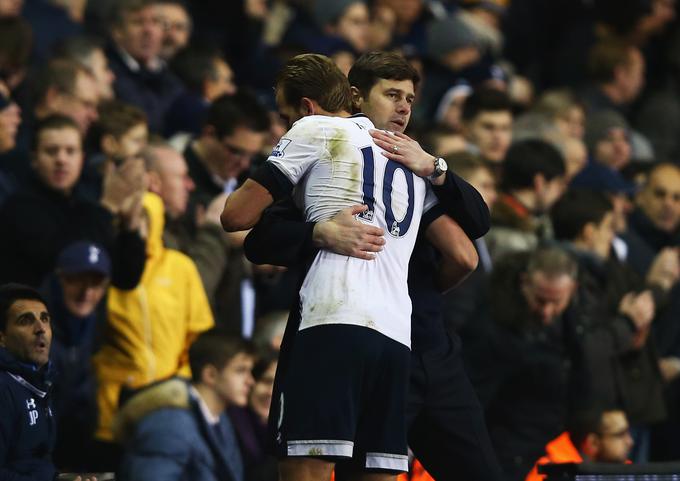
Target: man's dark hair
(265, 357)
(316, 77)
(605, 57)
(242, 109)
(124, 7)
(11, 293)
(373, 66)
(575, 209)
(216, 348)
(485, 99)
(53, 122)
(587, 421)
(60, 75)
(194, 64)
(528, 158)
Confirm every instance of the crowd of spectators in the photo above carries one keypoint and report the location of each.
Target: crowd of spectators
(125, 124)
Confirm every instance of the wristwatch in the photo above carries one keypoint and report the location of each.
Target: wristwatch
(440, 168)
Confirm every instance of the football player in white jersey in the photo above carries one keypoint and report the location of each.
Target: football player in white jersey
(344, 392)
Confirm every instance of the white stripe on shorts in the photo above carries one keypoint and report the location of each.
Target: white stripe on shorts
(394, 462)
(321, 447)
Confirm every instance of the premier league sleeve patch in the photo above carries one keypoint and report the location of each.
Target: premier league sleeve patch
(280, 148)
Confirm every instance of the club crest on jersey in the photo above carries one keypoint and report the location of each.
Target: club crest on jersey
(395, 229)
(280, 148)
(367, 216)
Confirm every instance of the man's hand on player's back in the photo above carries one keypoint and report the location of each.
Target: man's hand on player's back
(344, 234)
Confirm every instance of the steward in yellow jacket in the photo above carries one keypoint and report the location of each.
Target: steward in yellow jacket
(150, 328)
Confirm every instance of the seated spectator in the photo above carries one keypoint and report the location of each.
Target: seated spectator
(81, 279)
(608, 139)
(122, 133)
(208, 244)
(346, 21)
(250, 422)
(176, 24)
(142, 78)
(62, 87)
(27, 425)
(206, 77)
(617, 75)
(594, 436)
(234, 132)
(149, 329)
(654, 225)
(46, 215)
(533, 179)
(452, 51)
(179, 430)
(449, 112)
(487, 124)
(615, 307)
(89, 53)
(485, 18)
(518, 353)
(600, 178)
(562, 106)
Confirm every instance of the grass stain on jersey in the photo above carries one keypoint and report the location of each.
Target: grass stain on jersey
(346, 162)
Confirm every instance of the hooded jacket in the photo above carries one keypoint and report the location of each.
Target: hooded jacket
(27, 427)
(149, 329)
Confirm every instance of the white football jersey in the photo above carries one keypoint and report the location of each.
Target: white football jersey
(334, 164)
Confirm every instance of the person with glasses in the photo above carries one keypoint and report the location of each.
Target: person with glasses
(233, 133)
(597, 435)
(177, 27)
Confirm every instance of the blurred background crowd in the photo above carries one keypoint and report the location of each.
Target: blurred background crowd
(124, 124)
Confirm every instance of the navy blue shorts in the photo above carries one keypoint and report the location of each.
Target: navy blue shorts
(343, 395)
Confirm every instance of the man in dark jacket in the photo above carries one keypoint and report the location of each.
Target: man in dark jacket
(27, 426)
(75, 294)
(142, 77)
(47, 216)
(615, 307)
(519, 351)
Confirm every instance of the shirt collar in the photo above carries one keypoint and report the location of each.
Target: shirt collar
(209, 417)
(156, 64)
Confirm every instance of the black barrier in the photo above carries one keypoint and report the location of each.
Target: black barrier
(611, 472)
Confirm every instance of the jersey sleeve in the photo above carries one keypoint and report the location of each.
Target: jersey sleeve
(432, 209)
(298, 150)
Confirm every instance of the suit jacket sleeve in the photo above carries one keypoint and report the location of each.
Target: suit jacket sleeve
(281, 237)
(464, 204)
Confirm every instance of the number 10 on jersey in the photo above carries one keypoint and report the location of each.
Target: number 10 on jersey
(396, 227)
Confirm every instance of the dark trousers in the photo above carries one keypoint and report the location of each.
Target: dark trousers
(447, 431)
